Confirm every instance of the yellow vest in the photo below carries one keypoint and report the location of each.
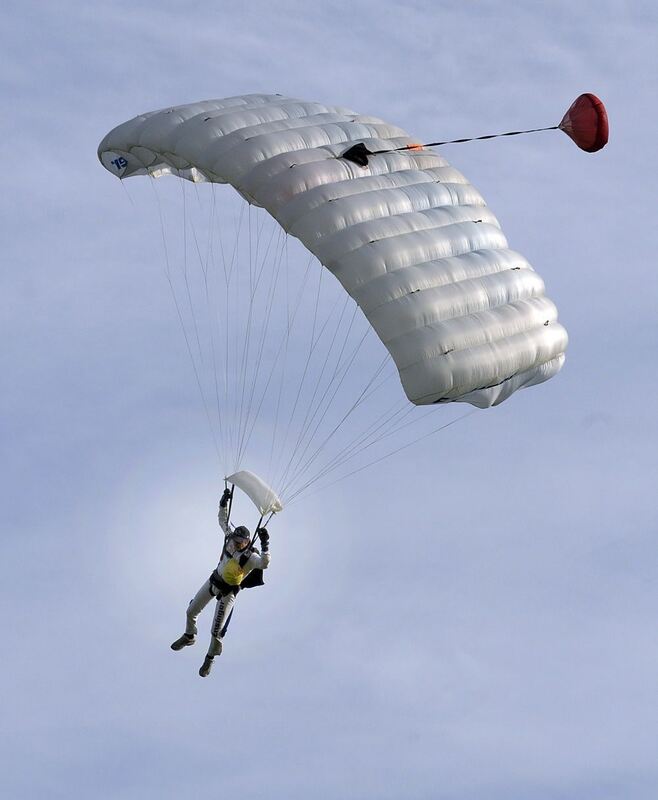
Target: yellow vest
(233, 573)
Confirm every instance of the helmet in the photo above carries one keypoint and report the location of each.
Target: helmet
(240, 538)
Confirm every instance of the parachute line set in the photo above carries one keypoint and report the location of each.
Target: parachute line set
(288, 360)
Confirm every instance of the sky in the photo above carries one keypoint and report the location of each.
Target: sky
(471, 618)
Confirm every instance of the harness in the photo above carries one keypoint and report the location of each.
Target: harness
(220, 585)
(254, 578)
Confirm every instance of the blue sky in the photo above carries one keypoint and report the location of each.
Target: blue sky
(474, 618)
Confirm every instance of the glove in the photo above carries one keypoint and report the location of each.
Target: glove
(264, 537)
(225, 498)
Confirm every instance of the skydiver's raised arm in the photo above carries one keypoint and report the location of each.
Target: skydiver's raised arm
(261, 560)
(222, 515)
(222, 518)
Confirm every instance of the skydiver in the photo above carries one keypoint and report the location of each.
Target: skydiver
(240, 566)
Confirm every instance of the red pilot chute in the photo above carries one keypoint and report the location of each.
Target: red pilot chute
(586, 122)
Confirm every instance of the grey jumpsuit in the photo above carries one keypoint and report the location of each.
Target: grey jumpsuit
(231, 572)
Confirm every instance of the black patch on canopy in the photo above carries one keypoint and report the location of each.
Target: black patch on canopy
(358, 154)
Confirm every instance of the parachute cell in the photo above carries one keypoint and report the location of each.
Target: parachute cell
(463, 317)
(586, 123)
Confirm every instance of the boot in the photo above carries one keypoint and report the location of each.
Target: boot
(215, 650)
(185, 641)
(204, 669)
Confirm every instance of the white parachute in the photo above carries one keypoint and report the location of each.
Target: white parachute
(463, 317)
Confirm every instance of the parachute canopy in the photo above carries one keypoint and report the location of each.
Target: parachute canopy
(586, 122)
(260, 494)
(463, 317)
